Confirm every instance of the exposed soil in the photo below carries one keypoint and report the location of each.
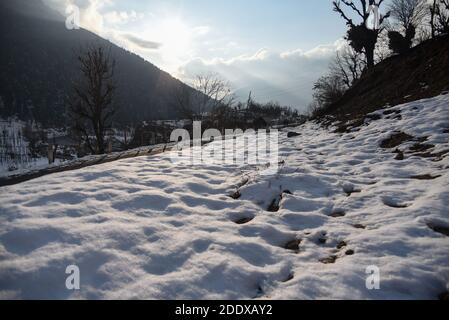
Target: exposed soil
(418, 74)
(420, 147)
(395, 140)
(329, 260)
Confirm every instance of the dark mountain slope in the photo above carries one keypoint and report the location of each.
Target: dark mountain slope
(38, 66)
(421, 73)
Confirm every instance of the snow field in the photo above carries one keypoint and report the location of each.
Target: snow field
(146, 228)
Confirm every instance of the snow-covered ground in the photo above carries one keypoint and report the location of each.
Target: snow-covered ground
(146, 228)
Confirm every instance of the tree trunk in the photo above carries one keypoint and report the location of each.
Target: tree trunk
(369, 57)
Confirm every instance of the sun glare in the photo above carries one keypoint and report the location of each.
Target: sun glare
(175, 38)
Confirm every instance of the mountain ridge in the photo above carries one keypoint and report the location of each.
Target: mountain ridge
(39, 65)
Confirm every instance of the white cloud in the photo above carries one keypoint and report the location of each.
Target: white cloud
(286, 77)
(122, 17)
(201, 30)
(139, 42)
(182, 49)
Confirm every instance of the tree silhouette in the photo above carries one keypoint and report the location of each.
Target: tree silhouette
(348, 65)
(91, 106)
(211, 92)
(439, 20)
(408, 15)
(362, 38)
(408, 12)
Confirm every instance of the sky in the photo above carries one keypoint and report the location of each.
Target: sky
(274, 48)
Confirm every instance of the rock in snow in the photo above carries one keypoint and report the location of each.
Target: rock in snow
(147, 228)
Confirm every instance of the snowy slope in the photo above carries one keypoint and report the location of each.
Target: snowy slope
(149, 229)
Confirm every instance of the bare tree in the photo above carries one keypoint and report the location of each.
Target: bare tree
(348, 65)
(91, 105)
(328, 90)
(360, 36)
(214, 91)
(183, 102)
(439, 21)
(210, 92)
(408, 13)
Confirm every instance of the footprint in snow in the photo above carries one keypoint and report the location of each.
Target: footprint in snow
(329, 260)
(290, 277)
(350, 189)
(236, 195)
(394, 204)
(425, 177)
(338, 214)
(244, 220)
(293, 245)
(292, 134)
(275, 204)
(259, 293)
(321, 238)
(341, 245)
(439, 229)
(399, 155)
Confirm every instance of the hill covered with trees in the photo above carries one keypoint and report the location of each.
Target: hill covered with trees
(39, 65)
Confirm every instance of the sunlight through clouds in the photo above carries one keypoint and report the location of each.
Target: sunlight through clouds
(179, 40)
